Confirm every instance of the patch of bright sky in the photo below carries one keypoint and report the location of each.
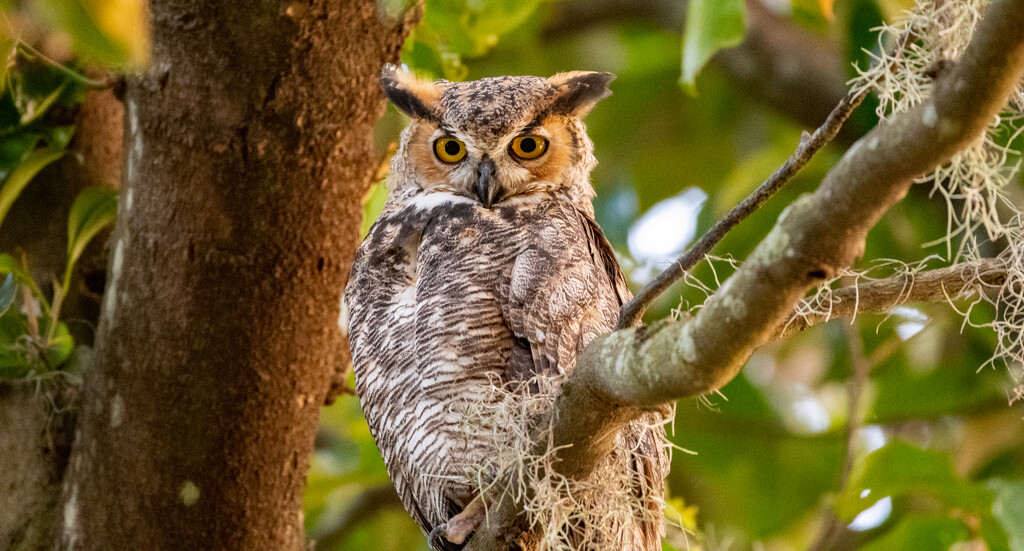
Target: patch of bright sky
(663, 232)
(873, 516)
(916, 321)
(872, 437)
(808, 415)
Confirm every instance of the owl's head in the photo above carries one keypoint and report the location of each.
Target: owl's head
(497, 140)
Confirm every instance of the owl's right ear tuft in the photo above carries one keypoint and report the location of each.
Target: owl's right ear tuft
(577, 92)
(415, 97)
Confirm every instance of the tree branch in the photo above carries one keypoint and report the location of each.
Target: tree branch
(621, 374)
(937, 285)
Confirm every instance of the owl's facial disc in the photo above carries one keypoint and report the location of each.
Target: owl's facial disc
(502, 140)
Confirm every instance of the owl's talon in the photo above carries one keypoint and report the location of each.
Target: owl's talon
(452, 535)
(439, 542)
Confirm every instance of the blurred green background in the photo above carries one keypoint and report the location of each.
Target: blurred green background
(936, 453)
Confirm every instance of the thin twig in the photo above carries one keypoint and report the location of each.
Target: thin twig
(26, 50)
(809, 145)
(938, 285)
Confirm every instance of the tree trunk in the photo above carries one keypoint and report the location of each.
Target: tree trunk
(248, 151)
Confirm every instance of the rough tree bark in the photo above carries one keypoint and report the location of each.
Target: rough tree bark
(248, 146)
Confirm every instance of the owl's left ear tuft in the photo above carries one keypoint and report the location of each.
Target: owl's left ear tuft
(415, 97)
(577, 92)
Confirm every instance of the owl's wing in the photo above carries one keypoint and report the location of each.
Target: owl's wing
(564, 290)
(604, 255)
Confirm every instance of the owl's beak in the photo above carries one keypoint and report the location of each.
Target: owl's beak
(487, 189)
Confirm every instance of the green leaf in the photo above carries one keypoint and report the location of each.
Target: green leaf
(743, 449)
(921, 532)
(30, 165)
(59, 349)
(59, 136)
(87, 35)
(1008, 509)
(8, 265)
(7, 293)
(899, 469)
(8, 49)
(711, 25)
(31, 109)
(93, 210)
(12, 363)
(15, 145)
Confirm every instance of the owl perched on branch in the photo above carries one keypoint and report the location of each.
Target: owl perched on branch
(486, 271)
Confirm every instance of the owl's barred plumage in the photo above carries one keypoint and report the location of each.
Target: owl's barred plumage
(482, 271)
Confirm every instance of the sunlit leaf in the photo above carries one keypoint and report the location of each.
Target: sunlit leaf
(453, 29)
(16, 181)
(109, 32)
(473, 27)
(710, 26)
(7, 291)
(93, 210)
(827, 9)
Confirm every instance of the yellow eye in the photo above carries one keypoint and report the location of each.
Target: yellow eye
(449, 150)
(529, 147)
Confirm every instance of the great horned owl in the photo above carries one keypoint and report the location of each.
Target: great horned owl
(485, 267)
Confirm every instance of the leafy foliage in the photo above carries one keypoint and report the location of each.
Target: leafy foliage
(33, 341)
(710, 26)
(93, 210)
(957, 507)
(22, 174)
(36, 97)
(108, 32)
